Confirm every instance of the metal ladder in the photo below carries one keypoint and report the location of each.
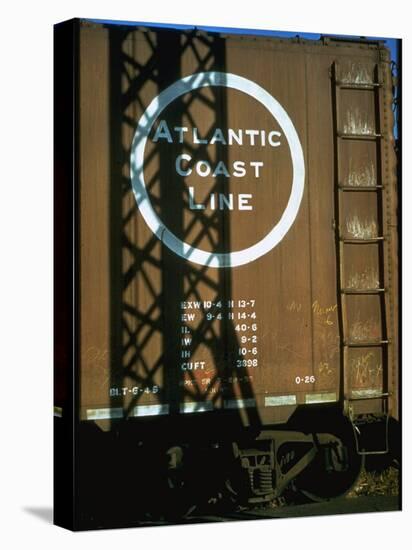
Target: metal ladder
(341, 188)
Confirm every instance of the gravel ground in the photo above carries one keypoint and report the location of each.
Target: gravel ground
(385, 483)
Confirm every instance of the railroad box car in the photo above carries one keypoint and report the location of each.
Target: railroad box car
(226, 274)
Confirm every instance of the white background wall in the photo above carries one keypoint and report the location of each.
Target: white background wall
(26, 272)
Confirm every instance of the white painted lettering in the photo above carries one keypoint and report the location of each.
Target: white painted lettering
(196, 138)
(233, 136)
(228, 201)
(203, 172)
(239, 170)
(179, 168)
(252, 134)
(220, 170)
(192, 204)
(180, 130)
(163, 132)
(218, 136)
(270, 139)
(257, 166)
(244, 201)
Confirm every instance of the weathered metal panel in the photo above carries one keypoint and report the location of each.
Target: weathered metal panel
(94, 216)
(165, 334)
(391, 226)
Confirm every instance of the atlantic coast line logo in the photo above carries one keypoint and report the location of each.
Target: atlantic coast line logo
(273, 139)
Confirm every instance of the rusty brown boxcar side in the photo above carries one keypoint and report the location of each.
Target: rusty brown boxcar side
(320, 305)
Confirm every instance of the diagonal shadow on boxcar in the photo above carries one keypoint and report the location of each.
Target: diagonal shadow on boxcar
(140, 262)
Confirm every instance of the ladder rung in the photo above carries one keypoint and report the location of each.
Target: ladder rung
(362, 241)
(357, 85)
(366, 344)
(377, 396)
(362, 290)
(365, 137)
(361, 187)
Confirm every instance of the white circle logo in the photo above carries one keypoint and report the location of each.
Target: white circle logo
(146, 122)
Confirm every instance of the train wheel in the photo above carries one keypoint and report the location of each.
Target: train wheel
(333, 472)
